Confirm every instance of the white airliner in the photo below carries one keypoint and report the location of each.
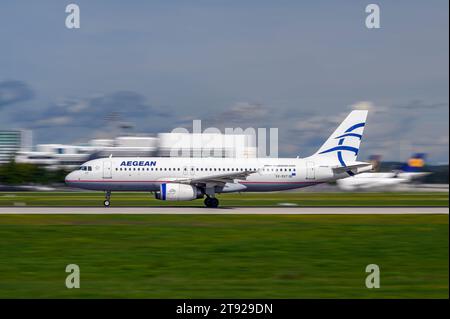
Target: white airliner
(386, 180)
(182, 179)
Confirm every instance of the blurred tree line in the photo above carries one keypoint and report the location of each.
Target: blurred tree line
(14, 173)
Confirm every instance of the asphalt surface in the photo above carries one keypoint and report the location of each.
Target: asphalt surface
(225, 210)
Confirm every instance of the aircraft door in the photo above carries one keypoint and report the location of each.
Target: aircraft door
(107, 169)
(310, 170)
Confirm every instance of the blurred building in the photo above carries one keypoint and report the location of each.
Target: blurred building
(62, 156)
(125, 146)
(12, 142)
(56, 156)
(206, 145)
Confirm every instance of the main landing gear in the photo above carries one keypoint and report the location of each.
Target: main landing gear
(107, 201)
(211, 202)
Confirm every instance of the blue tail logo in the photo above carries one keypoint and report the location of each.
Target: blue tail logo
(347, 134)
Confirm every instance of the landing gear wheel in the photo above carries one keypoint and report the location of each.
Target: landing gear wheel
(107, 198)
(211, 202)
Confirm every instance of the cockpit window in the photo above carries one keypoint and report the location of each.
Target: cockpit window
(89, 168)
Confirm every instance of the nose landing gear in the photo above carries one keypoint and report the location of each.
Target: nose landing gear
(107, 201)
(211, 202)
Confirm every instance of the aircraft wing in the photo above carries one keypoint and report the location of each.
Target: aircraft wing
(219, 179)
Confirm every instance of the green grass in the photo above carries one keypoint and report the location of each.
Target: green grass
(219, 256)
(244, 199)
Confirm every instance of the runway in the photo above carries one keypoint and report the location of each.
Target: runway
(226, 210)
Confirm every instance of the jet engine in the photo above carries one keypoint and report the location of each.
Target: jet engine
(178, 192)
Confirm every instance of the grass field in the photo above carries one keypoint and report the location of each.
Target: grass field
(244, 199)
(217, 256)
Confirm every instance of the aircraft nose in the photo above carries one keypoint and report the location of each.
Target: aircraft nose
(69, 178)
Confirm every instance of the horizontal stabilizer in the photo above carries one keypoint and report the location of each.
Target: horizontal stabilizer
(361, 166)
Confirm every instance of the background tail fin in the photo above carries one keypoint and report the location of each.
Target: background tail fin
(375, 160)
(415, 164)
(344, 143)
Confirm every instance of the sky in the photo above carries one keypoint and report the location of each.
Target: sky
(294, 65)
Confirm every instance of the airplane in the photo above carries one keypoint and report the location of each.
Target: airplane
(413, 169)
(189, 178)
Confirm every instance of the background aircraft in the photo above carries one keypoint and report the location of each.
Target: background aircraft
(411, 170)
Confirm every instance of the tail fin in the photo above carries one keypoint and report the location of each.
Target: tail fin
(415, 164)
(343, 144)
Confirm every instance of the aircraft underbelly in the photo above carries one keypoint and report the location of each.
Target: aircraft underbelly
(151, 187)
(114, 186)
(271, 187)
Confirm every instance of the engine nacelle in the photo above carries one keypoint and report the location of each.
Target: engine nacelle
(178, 192)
